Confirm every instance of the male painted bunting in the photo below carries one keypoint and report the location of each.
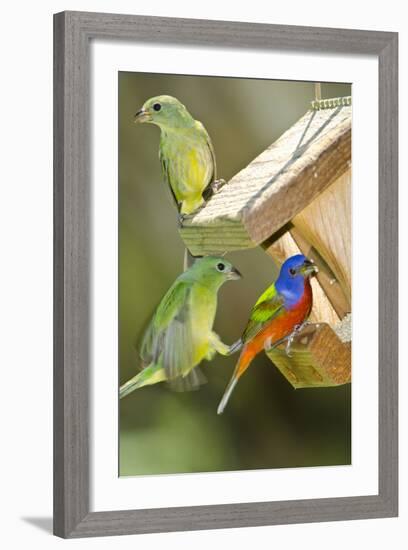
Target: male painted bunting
(186, 152)
(278, 315)
(180, 333)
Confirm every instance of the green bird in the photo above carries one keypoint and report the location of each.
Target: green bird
(180, 334)
(186, 153)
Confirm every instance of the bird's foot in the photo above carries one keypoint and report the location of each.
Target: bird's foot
(217, 185)
(297, 330)
(212, 189)
(184, 217)
(268, 345)
(236, 346)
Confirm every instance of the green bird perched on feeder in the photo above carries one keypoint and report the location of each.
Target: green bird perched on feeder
(186, 153)
(181, 334)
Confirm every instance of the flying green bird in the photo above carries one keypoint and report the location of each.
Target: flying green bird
(180, 334)
(186, 153)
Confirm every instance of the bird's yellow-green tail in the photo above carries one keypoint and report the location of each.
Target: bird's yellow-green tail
(150, 375)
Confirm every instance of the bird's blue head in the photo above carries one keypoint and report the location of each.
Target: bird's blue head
(291, 281)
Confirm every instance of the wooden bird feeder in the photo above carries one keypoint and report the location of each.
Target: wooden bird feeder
(295, 197)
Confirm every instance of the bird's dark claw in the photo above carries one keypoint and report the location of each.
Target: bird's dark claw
(217, 185)
(297, 330)
(212, 189)
(268, 346)
(183, 217)
(236, 346)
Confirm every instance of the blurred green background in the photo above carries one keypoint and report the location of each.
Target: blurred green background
(267, 424)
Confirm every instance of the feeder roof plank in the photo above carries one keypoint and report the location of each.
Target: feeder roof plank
(275, 186)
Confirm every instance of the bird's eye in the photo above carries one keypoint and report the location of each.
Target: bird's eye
(157, 106)
(292, 271)
(220, 266)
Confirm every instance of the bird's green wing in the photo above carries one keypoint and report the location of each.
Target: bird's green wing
(212, 152)
(170, 340)
(164, 161)
(207, 192)
(268, 306)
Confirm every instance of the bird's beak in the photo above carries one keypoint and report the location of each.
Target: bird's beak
(142, 116)
(234, 274)
(309, 268)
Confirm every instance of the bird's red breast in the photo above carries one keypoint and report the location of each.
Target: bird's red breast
(278, 328)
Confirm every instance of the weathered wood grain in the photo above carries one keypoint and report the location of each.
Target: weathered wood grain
(318, 358)
(326, 224)
(326, 277)
(72, 206)
(276, 186)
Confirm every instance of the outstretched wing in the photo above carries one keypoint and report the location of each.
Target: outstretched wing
(191, 381)
(170, 340)
(268, 307)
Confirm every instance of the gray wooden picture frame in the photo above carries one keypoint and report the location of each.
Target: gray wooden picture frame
(72, 34)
